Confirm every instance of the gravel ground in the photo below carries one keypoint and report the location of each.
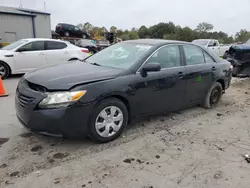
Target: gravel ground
(190, 148)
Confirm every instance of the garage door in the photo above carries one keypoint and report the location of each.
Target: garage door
(9, 37)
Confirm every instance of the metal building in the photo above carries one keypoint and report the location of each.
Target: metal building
(19, 23)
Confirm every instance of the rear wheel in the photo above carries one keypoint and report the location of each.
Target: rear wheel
(108, 120)
(213, 96)
(4, 70)
(66, 34)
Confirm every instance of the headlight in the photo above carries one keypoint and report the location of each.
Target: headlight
(61, 99)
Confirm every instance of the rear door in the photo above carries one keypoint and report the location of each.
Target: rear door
(163, 90)
(30, 56)
(200, 71)
(56, 52)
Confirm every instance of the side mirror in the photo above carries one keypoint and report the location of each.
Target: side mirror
(150, 67)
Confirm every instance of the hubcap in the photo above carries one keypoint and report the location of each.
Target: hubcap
(214, 96)
(2, 70)
(109, 121)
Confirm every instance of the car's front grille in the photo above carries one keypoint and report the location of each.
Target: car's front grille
(23, 100)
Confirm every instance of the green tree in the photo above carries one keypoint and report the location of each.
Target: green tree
(87, 27)
(113, 29)
(133, 35)
(143, 32)
(242, 36)
(204, 27)
(125, 36)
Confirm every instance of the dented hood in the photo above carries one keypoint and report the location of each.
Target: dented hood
(66, 76)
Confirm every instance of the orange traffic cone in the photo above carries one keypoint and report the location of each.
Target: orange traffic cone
(2, 90)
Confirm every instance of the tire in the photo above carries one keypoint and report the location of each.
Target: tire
(5, 70)
(83, 36)
(66, 34)
(111, 134)
(225, 55)
(213, 96)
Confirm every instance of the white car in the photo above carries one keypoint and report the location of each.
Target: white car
(213, 45)
(29, 54)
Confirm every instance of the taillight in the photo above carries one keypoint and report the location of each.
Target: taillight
(85, 50)
(60, 27)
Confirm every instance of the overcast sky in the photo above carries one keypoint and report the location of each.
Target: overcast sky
(227, 15)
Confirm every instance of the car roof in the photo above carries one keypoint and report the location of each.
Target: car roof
(41, 39)
(241, 47)
(155, 42)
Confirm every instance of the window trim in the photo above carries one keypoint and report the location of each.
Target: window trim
(184, 55)
(46, 45)
(181, 57)
(204, 52)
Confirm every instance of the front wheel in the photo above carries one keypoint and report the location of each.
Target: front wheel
(4, 71)
(108, 120)
(213, 96)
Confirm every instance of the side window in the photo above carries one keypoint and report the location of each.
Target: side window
(208, 58)
(217, 43)
(211, 43)
(77, 29)
(33, 46)
(167, 57)
(194, 55)
(52, 45)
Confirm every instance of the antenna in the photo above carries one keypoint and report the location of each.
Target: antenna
(44, 6)
(21, 4)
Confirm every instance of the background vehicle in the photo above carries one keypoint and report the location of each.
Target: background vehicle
(102, 44)
(213, 45)
(89, 44)
(68, 30)
(29, 54)
(239, 57)
(126, 80)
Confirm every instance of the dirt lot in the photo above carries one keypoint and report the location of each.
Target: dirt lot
(190, 148)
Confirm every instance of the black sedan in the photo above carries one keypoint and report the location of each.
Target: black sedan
(98, 97)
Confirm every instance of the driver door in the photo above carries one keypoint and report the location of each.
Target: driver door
(163, 90)
(214, 47)
(30, 56)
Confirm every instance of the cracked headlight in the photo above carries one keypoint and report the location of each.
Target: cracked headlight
(61, 99)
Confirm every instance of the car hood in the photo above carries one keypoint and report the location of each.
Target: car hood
(3, 52)
(66, 76)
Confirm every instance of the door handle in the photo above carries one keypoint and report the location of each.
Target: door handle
(180, 74)
(213, 69)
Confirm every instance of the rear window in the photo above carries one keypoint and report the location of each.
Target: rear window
(52, 45)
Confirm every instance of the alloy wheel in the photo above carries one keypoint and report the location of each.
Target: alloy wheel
(215, 95)
(109, 121)
(2, 70)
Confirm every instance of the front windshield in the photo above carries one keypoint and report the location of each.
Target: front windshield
(248, 42)
(200, 42)
(121, 55)
(14, 45)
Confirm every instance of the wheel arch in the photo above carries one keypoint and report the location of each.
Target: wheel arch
(222, 82)
(122, 99)
(73, 59)
(7, 66)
